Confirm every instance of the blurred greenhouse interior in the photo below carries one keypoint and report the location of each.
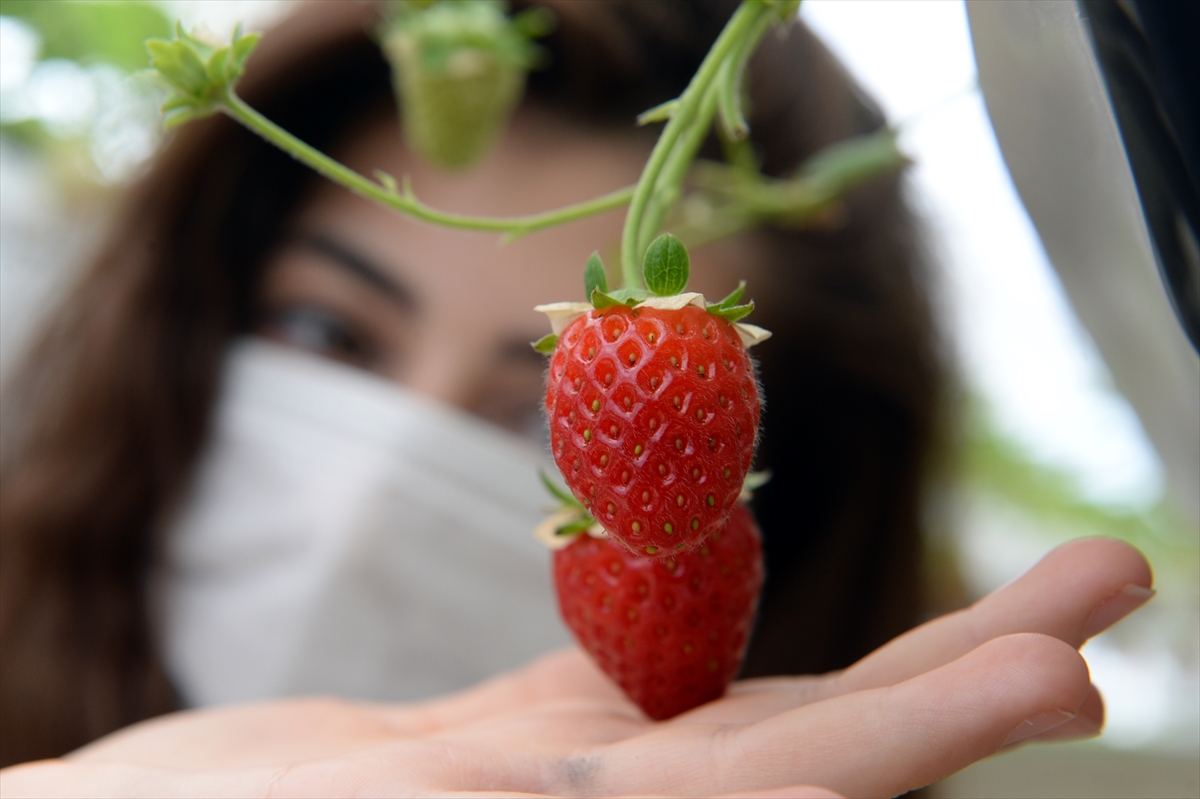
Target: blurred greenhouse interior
(1049, 449)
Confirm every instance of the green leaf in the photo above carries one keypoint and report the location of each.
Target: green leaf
(594, 276)
(558, 493)
(626, 296)
(576, 527)
(665, 266)
(733, 313)
(629, 296)
(732, 297)
(545, 345)
(198, 75)
(851, 162)
(601, 300)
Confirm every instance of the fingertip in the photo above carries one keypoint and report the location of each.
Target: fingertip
(1120, 561)
(1088, 722)
(1042, 670)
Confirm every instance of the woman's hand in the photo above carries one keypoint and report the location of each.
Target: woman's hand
(929, 703)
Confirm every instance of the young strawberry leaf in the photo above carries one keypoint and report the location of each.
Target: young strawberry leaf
(545, 345)
(199, 75)
(558, 493)
(733, 313)
(665, 266)
(626, 296)
(575, 527)
(594, 276)
(732, 298)
(600, 300)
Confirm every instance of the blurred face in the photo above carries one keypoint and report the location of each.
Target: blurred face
(449, 313)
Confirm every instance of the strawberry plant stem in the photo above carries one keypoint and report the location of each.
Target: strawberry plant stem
(745, 22)
(402, 199)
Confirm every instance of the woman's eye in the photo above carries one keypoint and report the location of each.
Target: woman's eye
(320, 331)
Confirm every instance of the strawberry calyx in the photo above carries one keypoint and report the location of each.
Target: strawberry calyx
(197, 71)
(562, 314)
(666, 268)
(569, 519)
(753, 482)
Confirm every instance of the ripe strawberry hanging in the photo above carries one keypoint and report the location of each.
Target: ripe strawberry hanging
(653, 405)
(670, 631)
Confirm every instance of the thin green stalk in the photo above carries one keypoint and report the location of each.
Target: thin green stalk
(743, 22)
(670, 180)
(730, 82)
(402, 199)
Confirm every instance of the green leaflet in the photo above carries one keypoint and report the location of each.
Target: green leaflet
(732, 297)
(546, 344)
(728, 308)
(594, 276)
(558, 493)
(576, 527)
(666, 266)
(734, 313)
(626, 296)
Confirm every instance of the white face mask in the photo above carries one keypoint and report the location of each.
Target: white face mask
(347, 536)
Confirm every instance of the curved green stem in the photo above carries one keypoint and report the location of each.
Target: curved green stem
(745, 20)
(670, 181)
(402, 199)
(731, 79)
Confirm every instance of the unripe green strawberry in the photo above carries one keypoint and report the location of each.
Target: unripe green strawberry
(671, 632)
(459, 71)
(653, 420)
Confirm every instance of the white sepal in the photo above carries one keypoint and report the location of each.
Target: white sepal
(547, 531)
(563, 314)
(673, 303)
(751, 334)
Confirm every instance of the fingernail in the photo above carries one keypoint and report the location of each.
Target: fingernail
(1116, 607)
(1038, 725)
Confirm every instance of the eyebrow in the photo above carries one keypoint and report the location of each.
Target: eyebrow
(356, 264)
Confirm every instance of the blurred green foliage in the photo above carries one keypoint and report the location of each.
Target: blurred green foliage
(1001, 467)
(111, 31)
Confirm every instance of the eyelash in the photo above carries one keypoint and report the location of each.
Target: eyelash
(322, 331)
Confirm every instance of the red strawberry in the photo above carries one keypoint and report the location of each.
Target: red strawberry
(670, 631)
(653, 420)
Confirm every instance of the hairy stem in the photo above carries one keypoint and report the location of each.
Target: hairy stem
(386, 192)
(744, 22)
(670, 181)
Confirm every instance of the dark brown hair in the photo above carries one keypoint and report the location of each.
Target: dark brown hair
(112, 405)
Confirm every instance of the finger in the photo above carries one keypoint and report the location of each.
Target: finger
(1087, 724)
(1077, 590)
(879, 742)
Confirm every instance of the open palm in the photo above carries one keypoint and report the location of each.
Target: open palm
(929, 703)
